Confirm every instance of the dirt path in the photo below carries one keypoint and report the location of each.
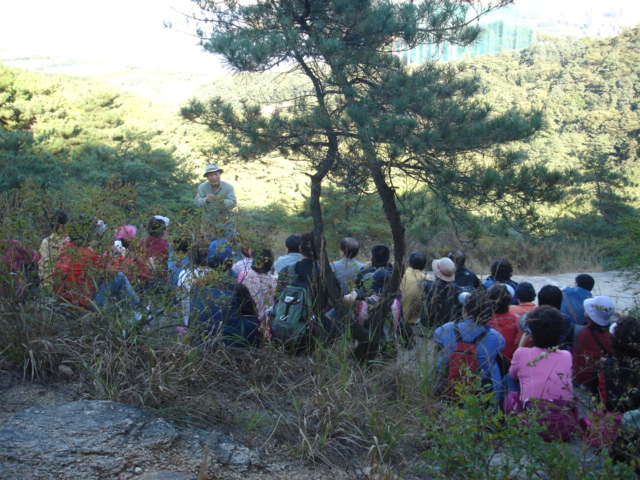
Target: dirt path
(612, 284)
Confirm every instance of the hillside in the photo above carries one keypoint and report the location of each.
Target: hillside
(57, 129)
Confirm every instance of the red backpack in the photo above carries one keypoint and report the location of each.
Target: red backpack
(463, 363)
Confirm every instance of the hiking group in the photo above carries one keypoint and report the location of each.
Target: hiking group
(491, 338)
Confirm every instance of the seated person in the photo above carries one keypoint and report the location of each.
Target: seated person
(544, 375)
(367, 339)
(79, 269)
(245, 259)
(179, 259)
(505, 322)
(466, 279)
(551, 296)
(619, 378)
(501, 271)
(346, 269)
(440, 297)
(292, 245)
(50, 248)
(525, 296)
(155, 248)
(573, 298)
(261, 284)
(127, 257)
(123, 237)
(18, 268)
(380, 255)
(223, 308)
(81, 276)
(192, 277)
(476, 313)
(411, 289)
(593, 341)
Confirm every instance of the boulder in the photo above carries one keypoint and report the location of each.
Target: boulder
(93, 439)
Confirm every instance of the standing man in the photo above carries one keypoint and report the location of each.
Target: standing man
(218, 200)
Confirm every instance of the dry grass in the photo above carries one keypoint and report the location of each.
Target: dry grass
(384, 419)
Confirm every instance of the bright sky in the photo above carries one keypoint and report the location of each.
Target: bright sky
(131, 32)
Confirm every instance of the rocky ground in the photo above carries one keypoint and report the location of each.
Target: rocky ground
(51, 432)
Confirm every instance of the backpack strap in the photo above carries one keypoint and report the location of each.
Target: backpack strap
(458, 334)
(476, 340)
(595, 337)
(292, 271)
(480, 337)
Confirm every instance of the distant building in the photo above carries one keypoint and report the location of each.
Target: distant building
(515, 27)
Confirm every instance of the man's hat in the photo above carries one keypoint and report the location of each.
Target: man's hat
(444, 269)
(212, 167)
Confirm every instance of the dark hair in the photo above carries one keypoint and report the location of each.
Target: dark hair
(350, 247)
(550, 295)
(308, 246)
(625, 339)
(156, 227)
(546, 325)
(182, 244)
(500, 298)
(525, 292)
(585, 281)
(262, 260)
(380, 253)
(58, 218)
(199, 254)
(418, 260)
(292, 242)
(477, 307)
(501, 270)
(458, 257)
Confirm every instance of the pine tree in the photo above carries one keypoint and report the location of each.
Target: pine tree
(362, 114)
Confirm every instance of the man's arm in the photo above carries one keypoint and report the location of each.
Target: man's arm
(201, 197)
(228, 195)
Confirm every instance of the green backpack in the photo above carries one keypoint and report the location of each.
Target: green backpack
(292, 314)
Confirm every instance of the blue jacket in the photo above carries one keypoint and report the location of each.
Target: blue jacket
(488, 348)
(572, 303)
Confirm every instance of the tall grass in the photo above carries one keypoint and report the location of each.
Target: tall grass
(322, 408)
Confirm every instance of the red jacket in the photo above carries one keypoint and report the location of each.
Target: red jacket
(156, 248)
(587, 353)
(136, 269)
(507, 325)
(77, 274)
